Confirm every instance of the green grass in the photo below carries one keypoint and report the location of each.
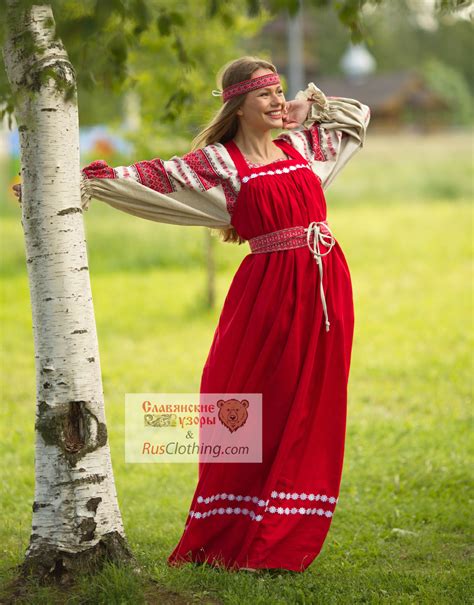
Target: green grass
(401, 534)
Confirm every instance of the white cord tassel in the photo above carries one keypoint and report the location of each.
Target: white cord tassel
(328, 240)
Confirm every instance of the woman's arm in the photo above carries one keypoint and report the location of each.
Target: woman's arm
(197, 189)
(333, 132)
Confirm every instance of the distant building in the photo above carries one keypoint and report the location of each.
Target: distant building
(396, 99)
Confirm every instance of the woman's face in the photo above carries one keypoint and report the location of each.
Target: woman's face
(262, 108)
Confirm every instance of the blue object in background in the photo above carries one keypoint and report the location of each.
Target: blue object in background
(89, 136)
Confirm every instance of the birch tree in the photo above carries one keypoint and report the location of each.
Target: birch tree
(76, 517)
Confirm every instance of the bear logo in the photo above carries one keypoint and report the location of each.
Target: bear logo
(233, 413)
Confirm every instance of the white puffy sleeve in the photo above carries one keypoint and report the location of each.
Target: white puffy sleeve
(332, 133)
(197, 189)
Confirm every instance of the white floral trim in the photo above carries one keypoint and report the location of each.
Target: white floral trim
(232, 497)
(274, 495)
(303, 496)
(258, 517)
(280, 510)
(301, 511)
(285, 170)
(228, 511)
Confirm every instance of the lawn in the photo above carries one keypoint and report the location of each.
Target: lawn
(402, 532)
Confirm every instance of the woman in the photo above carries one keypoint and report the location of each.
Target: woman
(286, 326)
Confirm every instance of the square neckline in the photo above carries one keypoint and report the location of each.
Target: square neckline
(276, 142)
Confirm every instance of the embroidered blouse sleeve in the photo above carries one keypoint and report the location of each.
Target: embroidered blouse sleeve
(333, 132)
(197, 189)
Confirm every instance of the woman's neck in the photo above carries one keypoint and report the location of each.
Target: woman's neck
(256, 147)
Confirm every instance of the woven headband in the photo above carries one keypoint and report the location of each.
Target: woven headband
(246, 86)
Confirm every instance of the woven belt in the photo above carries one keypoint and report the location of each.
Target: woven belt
(298, 237)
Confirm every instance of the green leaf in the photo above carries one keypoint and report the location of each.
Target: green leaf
(177, 18)
(183, 56)
(253, 8)
(118, 47)
(163, 23)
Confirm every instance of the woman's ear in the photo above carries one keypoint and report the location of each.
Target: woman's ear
(239, 112)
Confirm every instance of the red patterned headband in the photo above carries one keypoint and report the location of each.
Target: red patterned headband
(246, 86)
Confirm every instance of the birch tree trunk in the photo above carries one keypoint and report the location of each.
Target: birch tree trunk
(76, 520)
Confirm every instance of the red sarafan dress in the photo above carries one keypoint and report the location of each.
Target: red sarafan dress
(279, 335)
(271, 339)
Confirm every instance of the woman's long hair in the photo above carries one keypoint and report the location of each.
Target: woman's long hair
(223, 127)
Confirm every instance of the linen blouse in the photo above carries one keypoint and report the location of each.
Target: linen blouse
(201, 187)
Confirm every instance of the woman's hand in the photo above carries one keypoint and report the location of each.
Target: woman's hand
(295, 113)
(17, 191)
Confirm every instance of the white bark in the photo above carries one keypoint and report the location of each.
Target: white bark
(75, 504)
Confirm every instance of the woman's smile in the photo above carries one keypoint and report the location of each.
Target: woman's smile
(274, 114)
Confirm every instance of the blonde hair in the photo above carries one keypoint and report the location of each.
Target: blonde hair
(224, 125)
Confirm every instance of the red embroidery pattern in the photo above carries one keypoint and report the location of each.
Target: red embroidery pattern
(222, 163)
(329, 143)
(127, 172)
(153, 175)
(199, 170)
(298, 141)
(199, 163)
(229, 179)
(246, 86)
(315, 142)
(283, 239)
(253, 165)
(308, 142)
(184, 177)
(99, 170)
